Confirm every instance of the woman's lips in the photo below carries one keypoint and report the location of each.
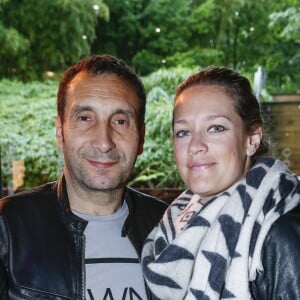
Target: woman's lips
(200, 165)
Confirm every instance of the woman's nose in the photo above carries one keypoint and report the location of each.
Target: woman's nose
(197, 144)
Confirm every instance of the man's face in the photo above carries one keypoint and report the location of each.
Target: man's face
(100, 137)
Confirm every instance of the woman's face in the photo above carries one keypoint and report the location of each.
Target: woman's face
(211, 149)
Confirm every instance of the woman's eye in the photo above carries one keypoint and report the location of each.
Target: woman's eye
(182, 133)
(216, 128)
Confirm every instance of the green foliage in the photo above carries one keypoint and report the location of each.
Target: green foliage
(153, 61)
(50, 34)
(150, 30)
(12, 42)
(196, 57)
(13, 50)
(156, 167)
(232, 33)
(166, 79)
(284, 64)
(27, 114)
(287, 22)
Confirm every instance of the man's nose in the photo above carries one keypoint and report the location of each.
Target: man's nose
(103, 138)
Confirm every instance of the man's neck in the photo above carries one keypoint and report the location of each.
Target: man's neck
(104, 202)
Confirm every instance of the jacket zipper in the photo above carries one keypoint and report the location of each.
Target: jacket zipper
(83, 275)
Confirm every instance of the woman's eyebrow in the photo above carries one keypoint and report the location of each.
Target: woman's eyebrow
(214, 117)
(209, 118)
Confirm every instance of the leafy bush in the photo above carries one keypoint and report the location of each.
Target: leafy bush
(27, 114)
(33, 41)
(156, 167)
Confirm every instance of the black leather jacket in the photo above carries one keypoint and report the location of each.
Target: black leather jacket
(42, 241)
(280, 279)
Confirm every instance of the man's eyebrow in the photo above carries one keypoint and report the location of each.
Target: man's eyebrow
(126, 112)
(80, 108)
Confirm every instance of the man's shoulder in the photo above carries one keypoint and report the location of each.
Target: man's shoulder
(145, 211)
(28, 197)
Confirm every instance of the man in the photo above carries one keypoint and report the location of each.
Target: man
(81, 237)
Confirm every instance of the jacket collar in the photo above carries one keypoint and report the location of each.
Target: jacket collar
(64, 203)
(62, 194)
(74, 222)
(63, 199)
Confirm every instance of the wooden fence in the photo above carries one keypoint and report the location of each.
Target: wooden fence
(283, 121)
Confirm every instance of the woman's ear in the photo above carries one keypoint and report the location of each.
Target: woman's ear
(254, 140)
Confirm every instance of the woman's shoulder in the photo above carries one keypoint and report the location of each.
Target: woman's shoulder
(284, 237)
(280, 278)
(286, 228)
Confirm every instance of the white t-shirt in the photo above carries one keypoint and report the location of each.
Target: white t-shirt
(113, 270)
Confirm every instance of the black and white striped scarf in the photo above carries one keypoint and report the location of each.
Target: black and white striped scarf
(212, 251)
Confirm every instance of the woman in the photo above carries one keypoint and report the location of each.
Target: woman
(234, 233)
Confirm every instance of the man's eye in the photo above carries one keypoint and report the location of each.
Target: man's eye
(83, 118)
(216, 128)
(121, 122)
(182, 133)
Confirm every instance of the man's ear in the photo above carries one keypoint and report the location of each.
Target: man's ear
(254, 140)
(59, 132)
(142, 139)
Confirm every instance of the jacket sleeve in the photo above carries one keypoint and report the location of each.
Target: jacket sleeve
(280, 279)
(3, 282)
(3, 255)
